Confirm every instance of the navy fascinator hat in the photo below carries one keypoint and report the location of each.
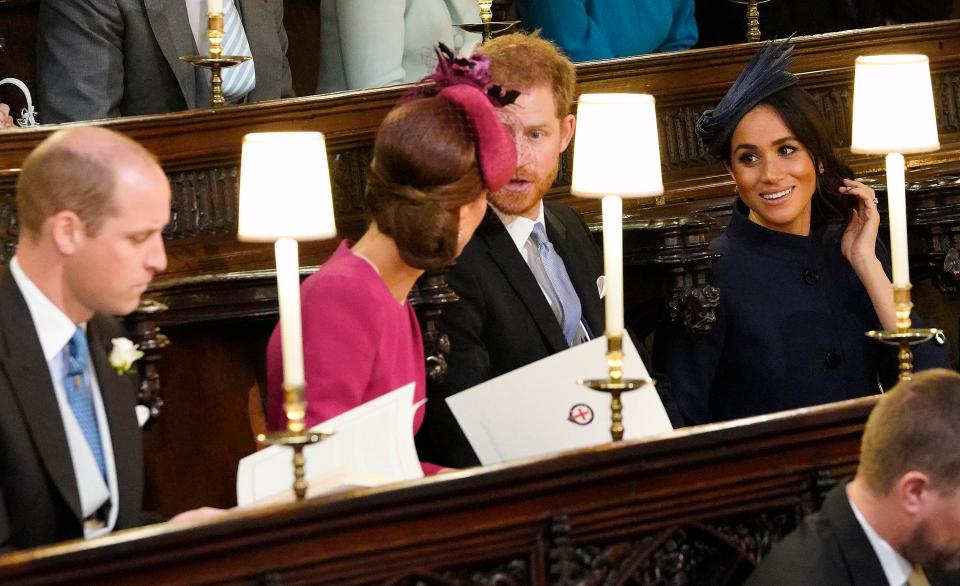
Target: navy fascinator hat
(765, 74)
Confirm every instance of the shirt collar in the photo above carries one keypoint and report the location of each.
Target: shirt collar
(895, 566)
(520, 227)
(53, 326)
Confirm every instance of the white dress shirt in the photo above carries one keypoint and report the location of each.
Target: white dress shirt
(520, 228)
(55, 329)
(895, 566)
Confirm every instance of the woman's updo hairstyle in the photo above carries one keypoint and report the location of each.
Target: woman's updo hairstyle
(424, 169)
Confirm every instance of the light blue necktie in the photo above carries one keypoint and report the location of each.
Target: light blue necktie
(238, 80)
(565, 294)
(80, 394)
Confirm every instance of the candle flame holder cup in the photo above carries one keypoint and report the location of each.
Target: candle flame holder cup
(488, 27)
(904, 336)
(216, 61)
(615, 385)
(295, 436)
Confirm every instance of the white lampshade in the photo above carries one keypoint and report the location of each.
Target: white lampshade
(617, 150)
(893, 105)
(285, 188)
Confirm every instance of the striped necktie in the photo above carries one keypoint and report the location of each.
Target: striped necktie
(76, 354)
(918, 577)
(569, 312)
(238, 80)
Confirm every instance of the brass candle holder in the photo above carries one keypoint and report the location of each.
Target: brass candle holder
(753, 18)
(488, 27)
(615, 385)
(295, 436)
(904, 336)
(216, 61)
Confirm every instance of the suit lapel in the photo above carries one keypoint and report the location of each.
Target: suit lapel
(584, 283)
(23, 362)
(504, 253)
(854, 545)
(119, 404)
(171, 28)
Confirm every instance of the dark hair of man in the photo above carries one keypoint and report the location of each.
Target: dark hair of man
(800, 113)
(424, 169)
(915, 426)
(522, 61)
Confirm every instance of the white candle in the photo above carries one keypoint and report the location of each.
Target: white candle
(215, 6)
(288, 291)
(612, 207)
(897, 207)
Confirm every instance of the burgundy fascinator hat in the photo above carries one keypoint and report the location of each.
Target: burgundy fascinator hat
(463, 81)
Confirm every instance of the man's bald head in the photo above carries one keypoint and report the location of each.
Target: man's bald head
(76, 170)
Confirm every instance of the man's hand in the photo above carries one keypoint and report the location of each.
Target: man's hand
(201, 514)
(6, 121)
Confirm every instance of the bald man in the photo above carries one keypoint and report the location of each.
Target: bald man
(91, 207)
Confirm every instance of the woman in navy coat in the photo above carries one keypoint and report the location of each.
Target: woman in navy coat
(801, 276)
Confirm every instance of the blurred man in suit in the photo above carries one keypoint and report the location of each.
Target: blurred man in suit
(527, 280)
(898, 521)
(108, 58)
(91, 205)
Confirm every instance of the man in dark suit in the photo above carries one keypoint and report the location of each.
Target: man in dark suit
(898, 521)
(512, 313)
(107, 58)
(91, 205)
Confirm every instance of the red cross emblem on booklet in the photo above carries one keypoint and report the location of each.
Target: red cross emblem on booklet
(581, 414)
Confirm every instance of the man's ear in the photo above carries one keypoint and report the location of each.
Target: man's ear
(67, 231)
(912, 490)
(567, 125)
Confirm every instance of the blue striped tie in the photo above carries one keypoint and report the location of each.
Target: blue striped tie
(239, 79)
(560, 281)
(80, 394)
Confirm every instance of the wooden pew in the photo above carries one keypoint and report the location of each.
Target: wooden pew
(697, 506)
(221, 296)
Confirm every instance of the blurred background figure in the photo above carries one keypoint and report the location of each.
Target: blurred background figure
(374, 43)
(602, 29)
(108, 58)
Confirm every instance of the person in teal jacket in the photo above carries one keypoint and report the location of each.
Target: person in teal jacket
(602, 29)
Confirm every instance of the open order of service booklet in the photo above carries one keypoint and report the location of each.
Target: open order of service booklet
(372, 445)
(540, 409)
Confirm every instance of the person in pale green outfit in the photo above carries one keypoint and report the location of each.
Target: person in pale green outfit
(374, 43)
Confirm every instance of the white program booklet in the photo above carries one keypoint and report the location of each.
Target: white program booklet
(540, 409)
(372, 445)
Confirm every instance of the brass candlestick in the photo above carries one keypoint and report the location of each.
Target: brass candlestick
(615, 385)
(487, 27)
(904, 336)
(296, 436)
(753, 18)
(216, 61)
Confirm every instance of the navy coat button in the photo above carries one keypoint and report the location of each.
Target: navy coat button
(832, 360)
(811, 276)
(939, 338)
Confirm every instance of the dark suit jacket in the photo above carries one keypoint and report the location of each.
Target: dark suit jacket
(107, 58)
(40, 502)
(828, 549)
(503, 321)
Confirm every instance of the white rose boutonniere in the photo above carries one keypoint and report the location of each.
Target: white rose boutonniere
(123, 355)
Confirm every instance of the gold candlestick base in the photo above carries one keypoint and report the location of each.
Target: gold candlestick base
(295, 436)
(753, 18)
(904, 336)
(215, 65)
(615, 385)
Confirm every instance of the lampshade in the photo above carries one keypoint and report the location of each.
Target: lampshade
(893, 105)
(285, 188)
(616, 151)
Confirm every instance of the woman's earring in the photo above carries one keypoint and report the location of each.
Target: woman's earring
(820, 168)
(459, 233)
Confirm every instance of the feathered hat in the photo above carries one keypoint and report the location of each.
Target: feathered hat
(765, 75)
(464, 81)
